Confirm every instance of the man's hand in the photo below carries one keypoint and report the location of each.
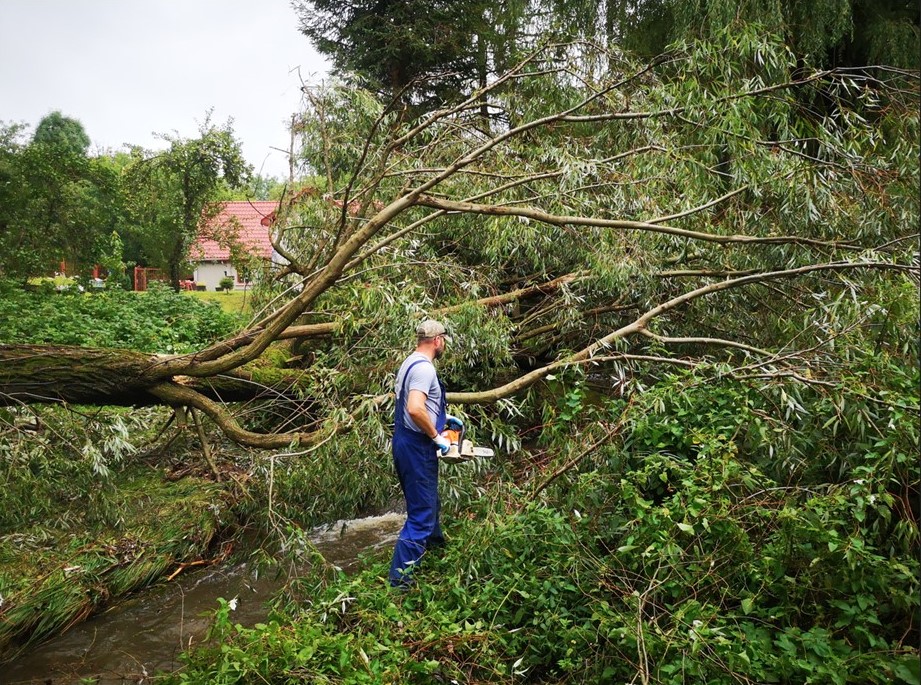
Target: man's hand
(454, 423)
(442, 443)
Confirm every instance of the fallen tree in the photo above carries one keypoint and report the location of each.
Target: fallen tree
(560, 232)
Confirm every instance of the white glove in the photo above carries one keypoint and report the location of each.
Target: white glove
(442, 443)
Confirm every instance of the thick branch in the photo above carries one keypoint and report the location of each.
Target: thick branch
(31, 374)
(565, 220)
(179, 396)
(45, 374)
(642, 321)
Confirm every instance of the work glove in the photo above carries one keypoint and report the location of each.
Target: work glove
(442, 443)
(454, 423)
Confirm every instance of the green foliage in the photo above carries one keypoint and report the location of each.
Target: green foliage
(852, 33)
(417, 53)
(435, 50)
(750, 520)
(63, 134)
(684, 550)
(171, 193)
(258, 187)
(56, 204)
(796, 171)
(82, 521)
(329, 144)
(111, 258)
(159, 320)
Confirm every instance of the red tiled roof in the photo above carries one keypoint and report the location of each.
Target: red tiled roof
(245, 223)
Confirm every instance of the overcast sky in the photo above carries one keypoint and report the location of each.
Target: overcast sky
(129, 68)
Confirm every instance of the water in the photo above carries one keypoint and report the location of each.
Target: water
(145, 633)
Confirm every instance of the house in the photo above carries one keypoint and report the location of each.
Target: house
(239, 231)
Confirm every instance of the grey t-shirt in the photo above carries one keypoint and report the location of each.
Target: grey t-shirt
(422, 377)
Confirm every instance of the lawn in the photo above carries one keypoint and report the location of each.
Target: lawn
(234, 301)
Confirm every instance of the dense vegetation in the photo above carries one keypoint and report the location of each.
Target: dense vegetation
(712, 533)
(684, 299)
(159, 321)
(90, 506)
(421, 54)
(731, 495)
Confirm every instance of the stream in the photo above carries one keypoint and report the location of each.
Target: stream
(146, 632)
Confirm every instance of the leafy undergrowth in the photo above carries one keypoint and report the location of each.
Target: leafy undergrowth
(58, 571)
(81, 521)
(717, 532)
(160, 320)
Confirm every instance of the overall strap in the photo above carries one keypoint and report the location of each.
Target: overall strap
(442, 407)
(401, 398)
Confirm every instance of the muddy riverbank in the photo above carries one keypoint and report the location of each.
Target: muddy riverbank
(147, 632)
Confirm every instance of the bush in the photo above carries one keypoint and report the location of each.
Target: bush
(226, 283)
(160, 321)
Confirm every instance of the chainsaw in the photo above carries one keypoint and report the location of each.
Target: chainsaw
(462, 450)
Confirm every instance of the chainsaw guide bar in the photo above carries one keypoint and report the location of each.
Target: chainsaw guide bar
(466, 453)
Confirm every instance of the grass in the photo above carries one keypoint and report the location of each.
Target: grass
(233, 302)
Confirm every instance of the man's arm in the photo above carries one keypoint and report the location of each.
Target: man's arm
(415, 407)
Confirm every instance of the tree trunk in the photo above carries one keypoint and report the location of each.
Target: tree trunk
(44, 374)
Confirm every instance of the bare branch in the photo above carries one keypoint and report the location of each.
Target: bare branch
(707, 273)
(704, 341)
(515, 295)
(699, 208)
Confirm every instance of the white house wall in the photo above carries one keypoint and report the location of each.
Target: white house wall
(211, 273)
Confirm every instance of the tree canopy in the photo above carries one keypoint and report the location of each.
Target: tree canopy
(173, 191)
(617, 216)
(426, 53)
(63, 133)
(419, 53)
(56, 204)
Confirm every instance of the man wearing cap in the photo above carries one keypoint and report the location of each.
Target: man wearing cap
(419, 417)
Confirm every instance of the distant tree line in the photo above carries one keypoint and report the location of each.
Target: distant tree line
(59, 204)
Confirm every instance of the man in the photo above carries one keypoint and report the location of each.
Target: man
(419, 417)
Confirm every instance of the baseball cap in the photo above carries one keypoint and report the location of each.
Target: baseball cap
(430, 329)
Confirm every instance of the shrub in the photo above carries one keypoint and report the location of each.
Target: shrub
(160, 321)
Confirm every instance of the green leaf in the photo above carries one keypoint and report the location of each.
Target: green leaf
(909, 670)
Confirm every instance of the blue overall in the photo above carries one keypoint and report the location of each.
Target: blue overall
(417, 468)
